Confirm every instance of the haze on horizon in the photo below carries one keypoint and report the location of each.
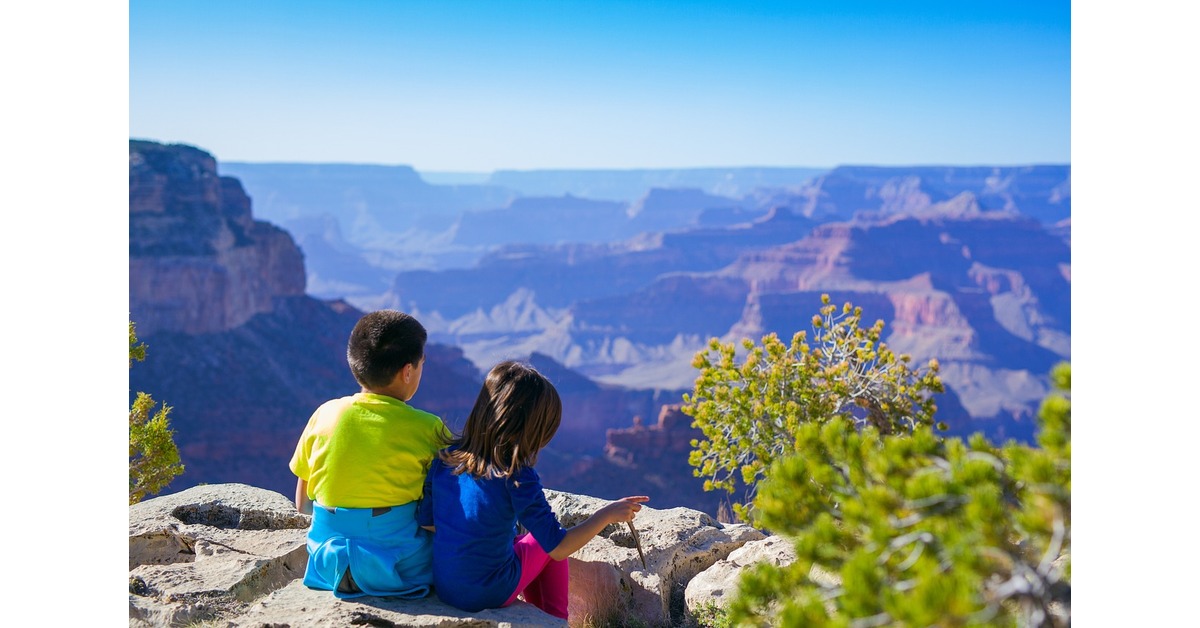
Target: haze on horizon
(476, 87)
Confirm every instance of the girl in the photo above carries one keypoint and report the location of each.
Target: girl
(483, 484)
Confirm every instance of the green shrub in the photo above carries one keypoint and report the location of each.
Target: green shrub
(751, 411)
(153, 456)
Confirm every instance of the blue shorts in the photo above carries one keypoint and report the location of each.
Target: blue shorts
(388, 555)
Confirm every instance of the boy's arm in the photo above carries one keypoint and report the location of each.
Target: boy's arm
(299, 466)
(303, 503)
(425, 506)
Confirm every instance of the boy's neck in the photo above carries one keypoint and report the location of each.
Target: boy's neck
(403, 385)
(387, 392)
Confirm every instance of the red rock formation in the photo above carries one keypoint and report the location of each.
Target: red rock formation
(198, 261)
(913, 309)
(670, 436)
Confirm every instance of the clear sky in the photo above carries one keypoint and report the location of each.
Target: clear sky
(478, 86)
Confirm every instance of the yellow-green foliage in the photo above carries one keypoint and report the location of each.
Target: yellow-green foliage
(153, 457)
(751, 411)
(921, 530)
(709, 615)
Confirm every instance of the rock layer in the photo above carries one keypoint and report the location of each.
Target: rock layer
(198, 261)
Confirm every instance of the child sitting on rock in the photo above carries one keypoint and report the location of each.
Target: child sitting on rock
(360, 465)
(481, 486)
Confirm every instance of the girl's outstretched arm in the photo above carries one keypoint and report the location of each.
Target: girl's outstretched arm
(621, 510)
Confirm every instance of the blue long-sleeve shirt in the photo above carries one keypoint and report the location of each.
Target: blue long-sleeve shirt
(474, 564)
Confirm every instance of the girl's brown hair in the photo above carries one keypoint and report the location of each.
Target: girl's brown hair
(516, 414)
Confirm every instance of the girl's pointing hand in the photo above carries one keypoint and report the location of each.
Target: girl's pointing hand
(623, 509)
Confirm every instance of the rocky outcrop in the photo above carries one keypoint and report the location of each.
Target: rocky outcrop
(198, 261)
(210, 550)
(670, 435)
(608, 580)
(234, 555)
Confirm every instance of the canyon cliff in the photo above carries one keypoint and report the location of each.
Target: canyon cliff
(198, 261)
(234, 346)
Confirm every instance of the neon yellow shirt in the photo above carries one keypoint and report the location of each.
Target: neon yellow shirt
(366, 451)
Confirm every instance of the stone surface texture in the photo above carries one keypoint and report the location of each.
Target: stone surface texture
(234, 555)
(718, 584)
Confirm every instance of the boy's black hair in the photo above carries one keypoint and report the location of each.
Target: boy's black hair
(381, 343)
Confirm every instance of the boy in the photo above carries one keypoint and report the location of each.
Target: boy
(360, 465)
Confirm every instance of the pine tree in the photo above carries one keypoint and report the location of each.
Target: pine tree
(918, 529)
(153, 456)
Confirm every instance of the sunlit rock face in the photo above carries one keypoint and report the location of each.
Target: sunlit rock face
(198, 261)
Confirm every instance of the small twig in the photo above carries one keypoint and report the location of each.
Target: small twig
(637, 540)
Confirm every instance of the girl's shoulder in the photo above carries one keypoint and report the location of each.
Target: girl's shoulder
(524, 476)
(438, 464)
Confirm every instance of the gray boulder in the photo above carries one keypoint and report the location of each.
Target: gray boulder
(718, 584)
(608, 581)
(208, 551)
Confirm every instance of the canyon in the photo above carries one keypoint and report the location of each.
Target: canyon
(608, 288)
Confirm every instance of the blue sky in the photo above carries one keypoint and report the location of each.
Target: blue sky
(478, 86)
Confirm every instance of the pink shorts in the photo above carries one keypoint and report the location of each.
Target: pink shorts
(545, 582)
